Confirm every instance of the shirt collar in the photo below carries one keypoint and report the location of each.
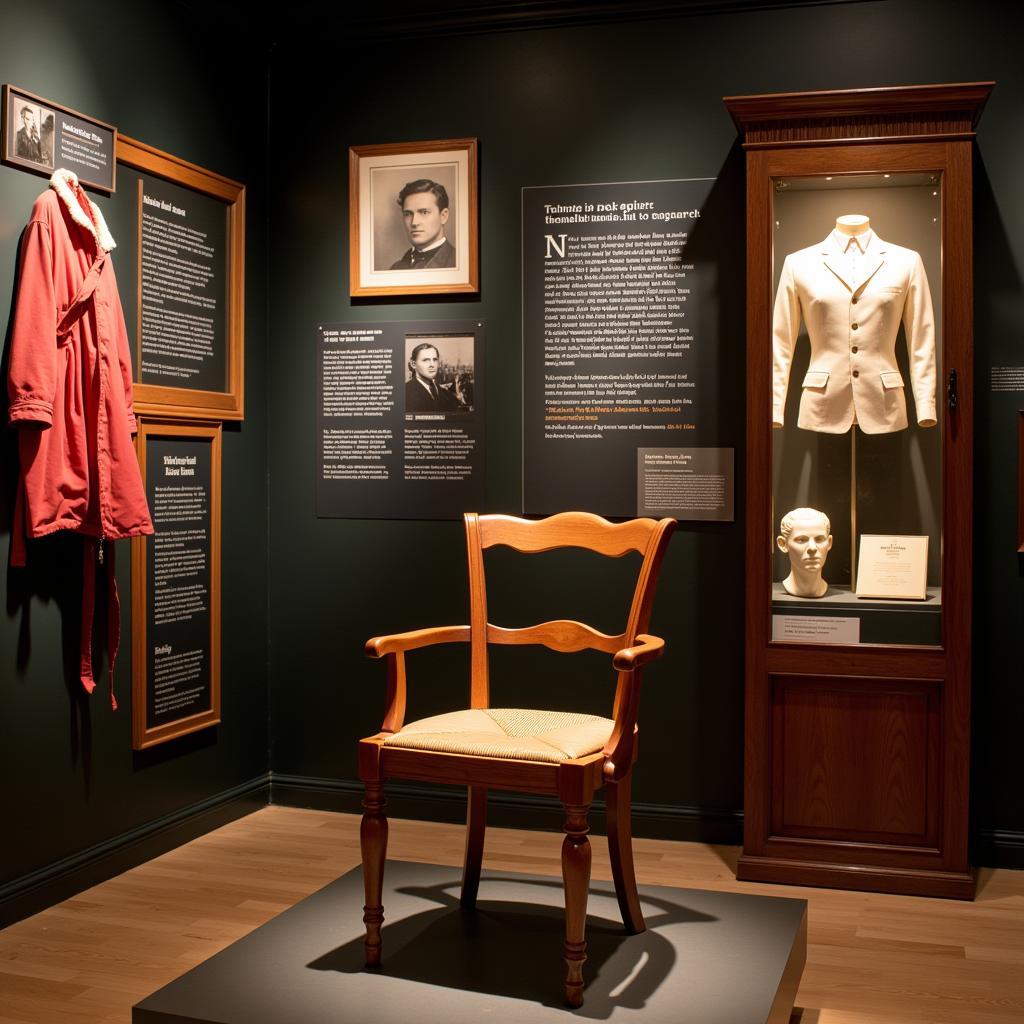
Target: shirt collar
(853, 245)
(431, 248)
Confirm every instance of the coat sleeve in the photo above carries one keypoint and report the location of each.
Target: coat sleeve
(919, 324)
(32, 373)
(124, 358)
(785, 328)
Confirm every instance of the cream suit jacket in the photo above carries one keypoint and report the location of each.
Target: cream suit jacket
(852, 326)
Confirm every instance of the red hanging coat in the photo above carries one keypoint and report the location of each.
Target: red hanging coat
(70, 390)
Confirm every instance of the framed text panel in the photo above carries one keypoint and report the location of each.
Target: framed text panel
(176, 583)
(189, 284)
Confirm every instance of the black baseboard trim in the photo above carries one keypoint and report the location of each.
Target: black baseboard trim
(998, 848)
(991, 848)
(43, 888)
(505, 809)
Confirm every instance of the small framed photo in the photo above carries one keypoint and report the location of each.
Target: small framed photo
(413, 226)
(39, 135)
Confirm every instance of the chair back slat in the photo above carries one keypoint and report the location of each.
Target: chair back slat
(562, 635)
(585, 530)
(567, 530)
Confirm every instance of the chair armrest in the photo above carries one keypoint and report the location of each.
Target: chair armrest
(378, 646)
(620, 749)
(648, 649)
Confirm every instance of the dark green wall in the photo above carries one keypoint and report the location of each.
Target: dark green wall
(614, 102)
(71, 781)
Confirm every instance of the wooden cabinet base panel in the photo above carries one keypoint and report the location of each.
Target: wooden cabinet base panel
(951, 885)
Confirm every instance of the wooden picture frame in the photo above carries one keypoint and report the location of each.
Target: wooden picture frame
(163, 399)
(146, 639)
(83, 144)
(384, 237)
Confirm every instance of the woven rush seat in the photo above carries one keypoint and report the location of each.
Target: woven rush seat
(523, 734)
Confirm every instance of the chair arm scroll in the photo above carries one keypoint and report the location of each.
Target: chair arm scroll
(378, 646)
(393, 648)
(647, 649)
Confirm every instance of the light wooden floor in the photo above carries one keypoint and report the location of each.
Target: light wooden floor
(870, 958)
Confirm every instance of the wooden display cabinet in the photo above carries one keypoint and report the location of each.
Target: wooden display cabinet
(857, 749)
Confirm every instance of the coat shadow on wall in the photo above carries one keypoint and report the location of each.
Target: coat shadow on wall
(513, 949)
(53, 574)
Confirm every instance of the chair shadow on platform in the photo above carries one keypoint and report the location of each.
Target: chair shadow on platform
(504, 947)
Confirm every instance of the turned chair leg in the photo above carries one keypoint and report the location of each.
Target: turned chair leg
(373, 842)
(620, 849)
(476, 825)
(576, 876)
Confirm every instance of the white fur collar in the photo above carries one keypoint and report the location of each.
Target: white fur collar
(65, 184)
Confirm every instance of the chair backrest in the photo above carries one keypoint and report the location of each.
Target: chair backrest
(648, 537)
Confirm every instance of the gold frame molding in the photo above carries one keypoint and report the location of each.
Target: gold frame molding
(186, 403)
(142, 737)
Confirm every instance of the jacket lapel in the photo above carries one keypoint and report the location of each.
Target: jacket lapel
(875, 260)
(833, 258)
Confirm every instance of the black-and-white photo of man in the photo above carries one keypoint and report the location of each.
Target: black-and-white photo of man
(28, 143)
(439, 383)
(415, 218)
(425, 211)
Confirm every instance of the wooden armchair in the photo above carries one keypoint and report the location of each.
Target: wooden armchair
(565, 755)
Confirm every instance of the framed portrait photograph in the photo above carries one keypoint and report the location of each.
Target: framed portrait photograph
(413, 218)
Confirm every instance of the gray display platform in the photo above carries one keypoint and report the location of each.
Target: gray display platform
(707, 957)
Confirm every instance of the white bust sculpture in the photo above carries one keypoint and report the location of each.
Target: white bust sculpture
(805, 535)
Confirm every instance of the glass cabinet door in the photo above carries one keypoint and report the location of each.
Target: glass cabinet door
(857, 408)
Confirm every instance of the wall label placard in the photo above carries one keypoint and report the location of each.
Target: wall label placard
(40, 136)
(619, 336)
(816, 629)
(400, 424)
(893, 567)
(176, 585)
(686, 483)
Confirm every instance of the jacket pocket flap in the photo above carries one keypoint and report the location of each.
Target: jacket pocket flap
(891, 379)
(816, 379)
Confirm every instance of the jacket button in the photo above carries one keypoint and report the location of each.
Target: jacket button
(856, 373)
(855, 326)
(854, 300)
(854, 350)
